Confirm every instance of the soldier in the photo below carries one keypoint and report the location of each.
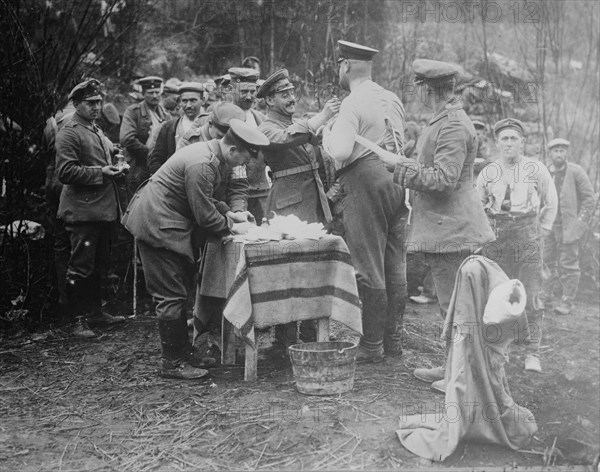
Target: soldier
(161, 217)
(483, 153)
(373, 209)
(214, 127)
(520, 201)
(561, 245)
(294, 157)
(139, 129)
(88, 206)
(190, 98)
(447, 222)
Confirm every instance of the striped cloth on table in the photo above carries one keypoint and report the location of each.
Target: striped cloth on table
(282, 281)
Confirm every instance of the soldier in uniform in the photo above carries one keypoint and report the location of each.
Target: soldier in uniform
(373, 209)
(161, 217)
(520, 200)
(447, 222)
(294, 157)
(215, 125)
(139, 129)
(88, 206)
(190, 98)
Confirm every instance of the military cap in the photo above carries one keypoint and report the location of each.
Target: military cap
(172, 85)
(479, 124)
(558, 142)
(252, 138)
(243, 74)
(224, 112)
(250, 59)
(86, 90)
(510, 123)
(150, 82)
(427, 70)
(355, 51)
(191, 87)
(223, 81)
(279, 81)
(110, 112)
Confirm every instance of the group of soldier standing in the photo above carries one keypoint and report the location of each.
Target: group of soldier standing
(204, 174)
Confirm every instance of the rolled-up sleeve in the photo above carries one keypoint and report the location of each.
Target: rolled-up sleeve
(548, 198)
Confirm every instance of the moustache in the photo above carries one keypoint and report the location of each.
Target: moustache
(289, 104)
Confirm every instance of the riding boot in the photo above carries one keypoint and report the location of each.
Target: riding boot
(374, 312)
(396, 298)
(174, 341)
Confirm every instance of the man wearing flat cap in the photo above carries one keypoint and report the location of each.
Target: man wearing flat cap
(447, 222)
(374, 214)
(190, 99)
(162, 215)
(139, 129)
(521, 203)
(293, 156)
(561, 245)
(88, 206)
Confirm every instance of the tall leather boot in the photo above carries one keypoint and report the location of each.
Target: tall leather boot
(76, 302)
(392, 341)
(374, 312)
(174, 341)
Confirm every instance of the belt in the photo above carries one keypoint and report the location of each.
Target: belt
(314, 167)
(295, 170)
(508, 217)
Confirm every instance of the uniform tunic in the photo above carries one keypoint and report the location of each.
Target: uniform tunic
(292, 148)
(162, 215)
(373, 207)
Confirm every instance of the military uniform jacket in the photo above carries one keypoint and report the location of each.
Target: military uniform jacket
(81, 152)
(178, 196)
(135, 130)
(291, 147)
(447, 214)
(257, 176)
(576, 202)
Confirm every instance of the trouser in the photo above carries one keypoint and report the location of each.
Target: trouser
(518, 251)
(168, 277)
(257, 206)
(374, 227)
(86, 269)
(443, 268)
(561, 271)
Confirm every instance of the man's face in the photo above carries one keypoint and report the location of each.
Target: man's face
(480, 134)
(244, 95)
(283, 102)
(343, 74)
(559, 155)
(191, 103)
(89, 109)
(152, 96)
(238, 156)
(214, 132)
(510, 144)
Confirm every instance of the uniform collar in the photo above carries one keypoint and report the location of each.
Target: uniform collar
(82, 121)
(276, 116)
(454, 104)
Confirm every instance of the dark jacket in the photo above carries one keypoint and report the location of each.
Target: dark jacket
(135, 130)
(576, 202)
(447, 214)
(81, 152)
(165, 145)
(164, 211)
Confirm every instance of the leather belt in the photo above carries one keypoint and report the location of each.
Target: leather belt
(508, 217)
(295, 170)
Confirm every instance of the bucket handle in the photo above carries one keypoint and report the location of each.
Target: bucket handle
(344, 349)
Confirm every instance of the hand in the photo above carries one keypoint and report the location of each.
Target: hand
(241, 217)
(111, 172)
(332, 106)
(241, 228)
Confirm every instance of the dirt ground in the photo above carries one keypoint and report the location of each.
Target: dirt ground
(73, 405)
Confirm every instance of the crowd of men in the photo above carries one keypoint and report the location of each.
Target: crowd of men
(178, 179)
